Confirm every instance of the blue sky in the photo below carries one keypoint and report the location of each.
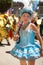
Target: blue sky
(25, 0)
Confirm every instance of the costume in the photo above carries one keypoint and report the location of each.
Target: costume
(3, 31)
(27, 47)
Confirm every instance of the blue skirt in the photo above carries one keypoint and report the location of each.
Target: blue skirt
(29, 52)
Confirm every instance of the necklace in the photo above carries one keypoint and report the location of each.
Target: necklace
(24, 26)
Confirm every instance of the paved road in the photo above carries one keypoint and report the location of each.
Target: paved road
(7, 59)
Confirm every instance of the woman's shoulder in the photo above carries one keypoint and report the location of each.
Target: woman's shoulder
(33, 26)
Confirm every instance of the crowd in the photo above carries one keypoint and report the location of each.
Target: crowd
(24, 30)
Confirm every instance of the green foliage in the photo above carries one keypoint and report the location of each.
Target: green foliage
(5, 1)
(5, 5)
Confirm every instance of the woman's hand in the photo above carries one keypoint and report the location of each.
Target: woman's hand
(16, 37)
(42, 49)
(41, 53)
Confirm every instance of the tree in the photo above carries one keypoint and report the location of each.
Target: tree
(4, 5)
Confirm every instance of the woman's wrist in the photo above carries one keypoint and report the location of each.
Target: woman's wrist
(41, 49)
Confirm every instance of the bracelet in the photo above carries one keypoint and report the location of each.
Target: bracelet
(41, 49)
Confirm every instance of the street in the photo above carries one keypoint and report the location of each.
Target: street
(8, 59)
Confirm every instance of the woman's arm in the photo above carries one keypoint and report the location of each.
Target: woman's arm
(33, 27)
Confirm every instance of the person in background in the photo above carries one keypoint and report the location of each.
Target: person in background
(27, 48)
(41, 29)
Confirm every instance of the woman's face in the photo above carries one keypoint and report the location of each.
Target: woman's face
(25, 18)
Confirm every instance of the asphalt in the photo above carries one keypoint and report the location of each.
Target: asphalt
(8, 59)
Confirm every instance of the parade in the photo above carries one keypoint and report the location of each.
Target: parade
(21, 29)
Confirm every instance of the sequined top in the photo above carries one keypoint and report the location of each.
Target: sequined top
(26, 37)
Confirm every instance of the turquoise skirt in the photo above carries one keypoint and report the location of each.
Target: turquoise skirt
(29, 52)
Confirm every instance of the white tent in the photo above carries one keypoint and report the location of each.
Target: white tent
(31, 4)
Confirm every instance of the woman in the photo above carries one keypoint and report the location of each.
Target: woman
(27, 48)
